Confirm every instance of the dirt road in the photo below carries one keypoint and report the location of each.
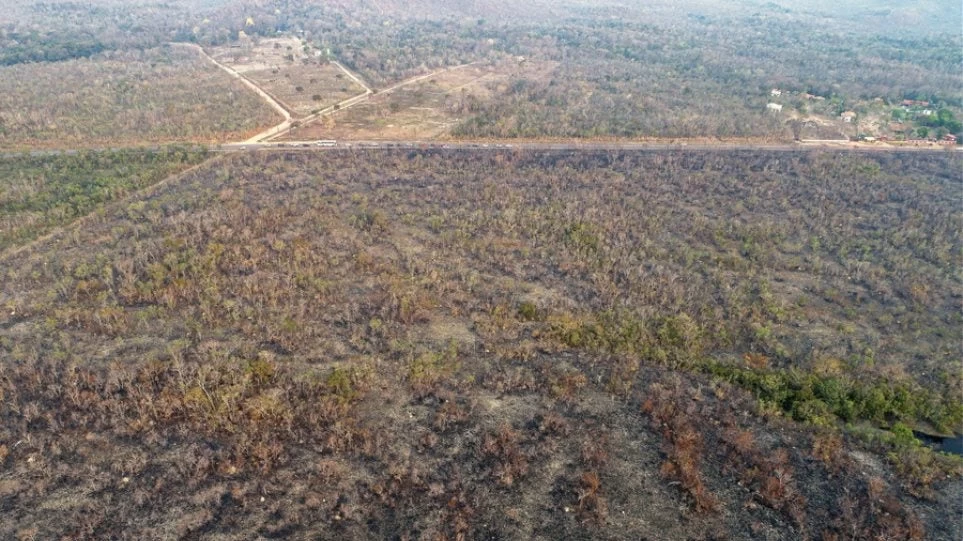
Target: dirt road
(358, 99)
(271, 100)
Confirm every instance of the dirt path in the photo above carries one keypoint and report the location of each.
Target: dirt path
(289, 121)
(271, 100)
(420, 78)
(355, 100)
(353, 77)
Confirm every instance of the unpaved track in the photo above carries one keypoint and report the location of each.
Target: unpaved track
(353, 77)
(271, 100)
(289, 121)
(420, 78)
(346, 104)
(275, 104)
(575, 146)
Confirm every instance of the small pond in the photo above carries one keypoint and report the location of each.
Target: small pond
(953, 444)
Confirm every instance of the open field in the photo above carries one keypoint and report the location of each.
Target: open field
(426, 109)
(125, 98)
(503, 344)
(302, 79)
(307, 88)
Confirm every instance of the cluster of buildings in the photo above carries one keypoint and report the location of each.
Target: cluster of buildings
(915, 107)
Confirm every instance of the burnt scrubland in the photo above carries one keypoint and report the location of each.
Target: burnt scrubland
(493, 345)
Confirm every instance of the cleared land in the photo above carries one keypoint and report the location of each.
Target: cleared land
(303, 80)
(374, 344)
(125, 98)
(424, 109)
(262, 54)
(308, 88)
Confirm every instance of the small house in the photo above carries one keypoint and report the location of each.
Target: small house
(949, 138)
(848, 116)
(775, 92)
(774, 107)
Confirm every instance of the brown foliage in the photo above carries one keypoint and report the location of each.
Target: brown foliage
(591, 504)
(504, 446)
(684, 445)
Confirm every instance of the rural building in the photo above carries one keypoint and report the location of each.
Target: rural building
(915, 103)
(775, 107)
(848, 116)
(775, 92)
(949, 138)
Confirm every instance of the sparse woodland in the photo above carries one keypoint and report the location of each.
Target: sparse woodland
(655, 71)
(38, 193)
(380, 344)
(122, 98)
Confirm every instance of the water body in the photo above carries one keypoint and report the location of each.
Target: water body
(952, 445)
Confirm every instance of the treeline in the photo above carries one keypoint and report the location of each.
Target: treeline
(705, 76)
(34, 47)
(944, 118)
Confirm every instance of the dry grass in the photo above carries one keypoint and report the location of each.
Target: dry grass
(300, 78)
(306, 88)
(427, 109)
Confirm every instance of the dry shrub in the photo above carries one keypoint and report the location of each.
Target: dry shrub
(684, 445)
(566, 385)
(504, 446)
(828, 449)
(594, 452)
(757, 361)
(553, 424)
(873, 512)
(591, 504)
